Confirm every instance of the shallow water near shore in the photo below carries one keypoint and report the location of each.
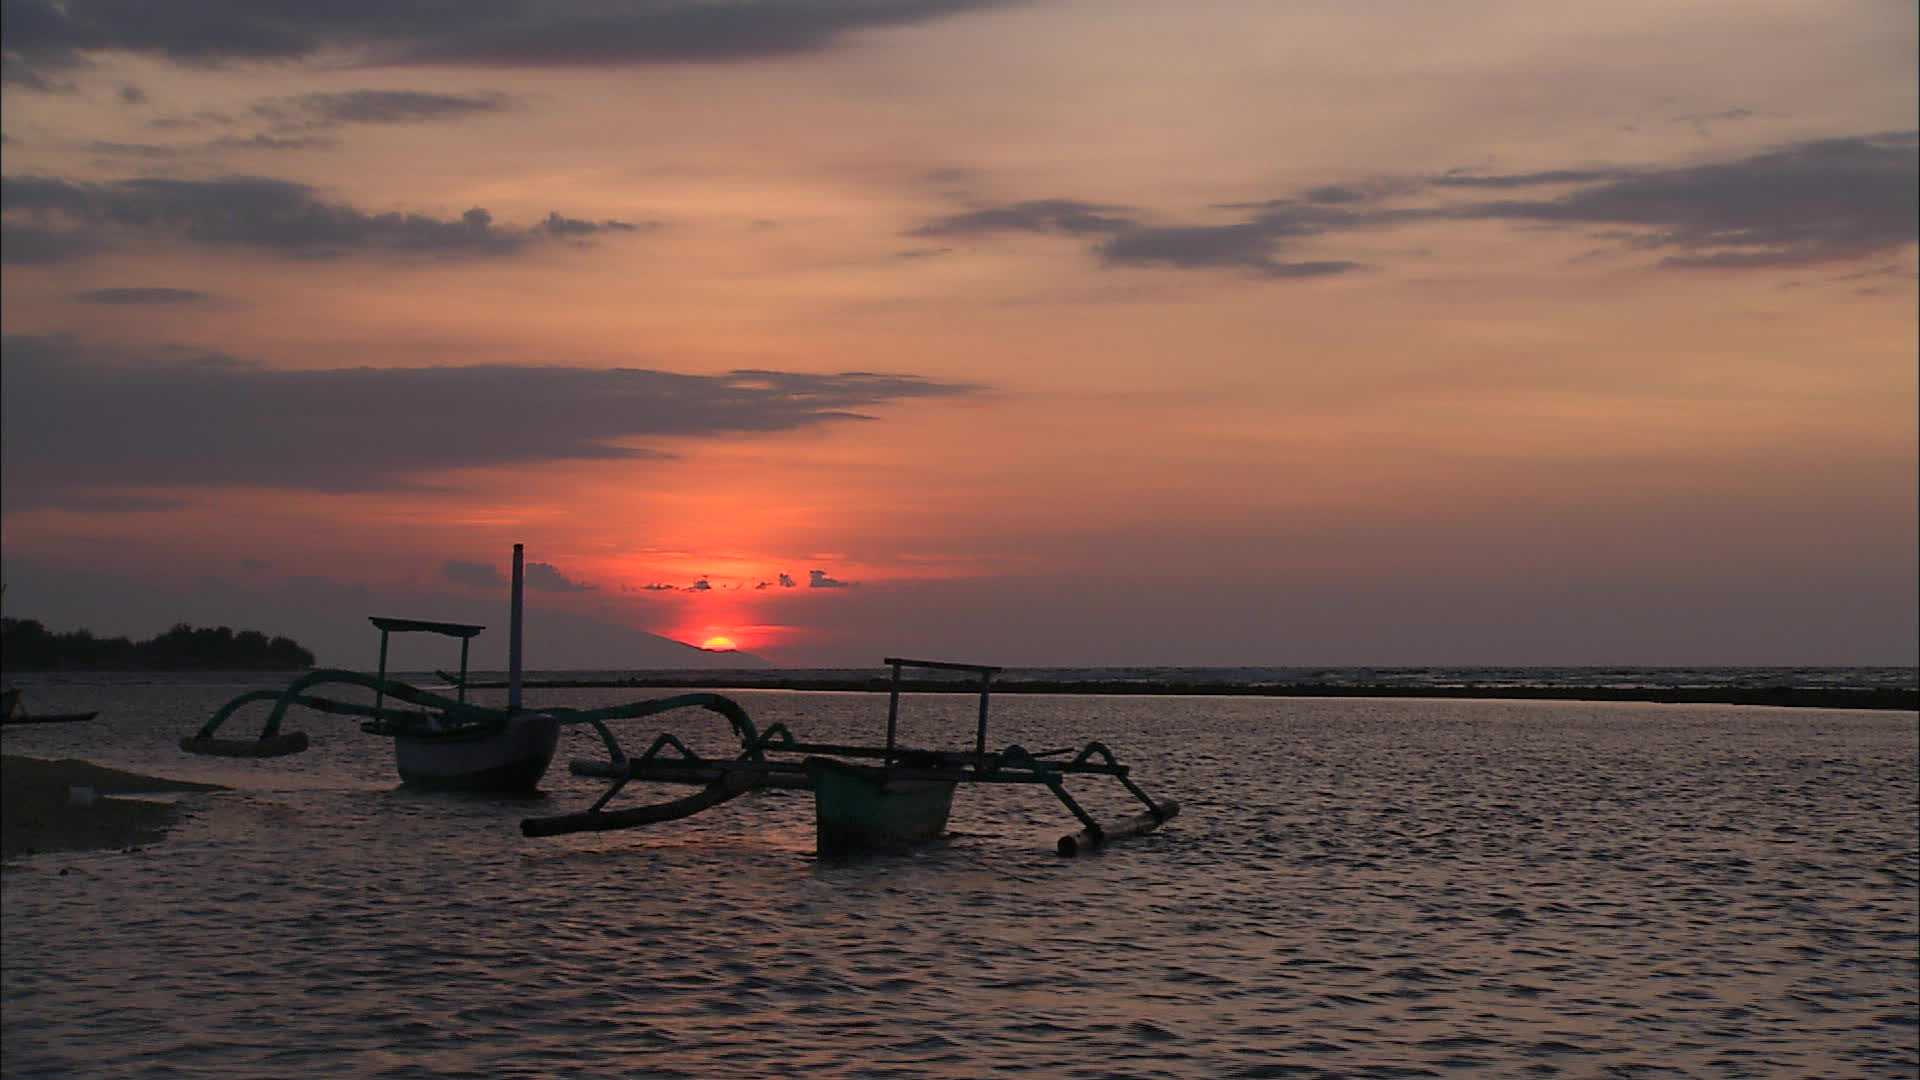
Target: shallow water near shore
(1353, 887)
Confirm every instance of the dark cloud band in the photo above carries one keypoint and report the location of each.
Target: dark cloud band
(143, 295)
(1068, 216)
(1827, 200)
(307, 112)
(80, 417)
(48, 219)
(45, 38)
(1813, 202)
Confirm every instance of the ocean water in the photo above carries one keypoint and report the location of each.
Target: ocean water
(1353, 888)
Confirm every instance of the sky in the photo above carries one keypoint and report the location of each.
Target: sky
(1044, 333)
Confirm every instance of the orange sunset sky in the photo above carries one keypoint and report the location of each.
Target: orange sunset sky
(1024, 333)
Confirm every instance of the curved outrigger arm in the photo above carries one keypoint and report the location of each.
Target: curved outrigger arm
(1018, 765)
(725, 779)
(736, 717)
(271, 743)
(433, 707)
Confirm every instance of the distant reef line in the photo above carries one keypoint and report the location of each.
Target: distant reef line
(26, 645)
(1899, 698)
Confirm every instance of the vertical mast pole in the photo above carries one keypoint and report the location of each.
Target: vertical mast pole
(893, 712)
(980, 736)
(380, 690)
(513, 631)
(464, 642)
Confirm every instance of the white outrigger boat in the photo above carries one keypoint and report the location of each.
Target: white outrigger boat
(445, 744)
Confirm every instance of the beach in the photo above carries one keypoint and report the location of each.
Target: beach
(39, 810)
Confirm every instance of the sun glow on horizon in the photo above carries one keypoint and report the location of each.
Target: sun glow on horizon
(719, 643)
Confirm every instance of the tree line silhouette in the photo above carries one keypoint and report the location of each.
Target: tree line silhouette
(26, 645)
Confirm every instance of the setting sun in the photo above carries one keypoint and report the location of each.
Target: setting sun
(718, 643)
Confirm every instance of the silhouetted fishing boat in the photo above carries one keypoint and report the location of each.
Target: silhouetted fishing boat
(446, 744)
(12, 713)
(906, 799)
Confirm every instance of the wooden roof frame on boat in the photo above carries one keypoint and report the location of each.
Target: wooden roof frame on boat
(464, 631)
(986, 673)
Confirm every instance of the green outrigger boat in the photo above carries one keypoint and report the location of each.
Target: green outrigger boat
(903, 800)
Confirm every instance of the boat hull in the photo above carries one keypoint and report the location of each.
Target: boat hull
(860, 808)
(510, 760)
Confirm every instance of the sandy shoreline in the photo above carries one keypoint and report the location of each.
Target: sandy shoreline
(38, 814)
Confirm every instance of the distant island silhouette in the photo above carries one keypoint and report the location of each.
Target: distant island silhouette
(26, 645)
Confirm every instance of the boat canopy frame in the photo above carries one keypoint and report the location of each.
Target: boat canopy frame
(986, 673)
(464, 631)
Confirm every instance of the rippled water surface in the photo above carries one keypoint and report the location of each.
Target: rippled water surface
(1388, 888)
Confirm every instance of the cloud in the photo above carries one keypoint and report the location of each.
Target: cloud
(479, 575)
(308, 112)
(818, 579)
(1249, 245)
(189, 121)
(38, 72)
(265, 141)
(557, 225)
(148, 151)
(142, 295)
(1246, 246)
(703, 585)
(81, 416)
(547, 578)
(1702, 123)
(34, 497)
(61, 219)
(1069, 216)
(655, 586)
(1462, 179)
(1356, 192)
(295, 122)
(1822, 201)
(45, 37)
(131, 95)
(786, 581)
(23, 244)
(1826, 200)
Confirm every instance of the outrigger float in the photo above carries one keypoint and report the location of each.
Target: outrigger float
(866, 798)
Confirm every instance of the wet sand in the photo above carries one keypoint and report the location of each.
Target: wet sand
(38, 813)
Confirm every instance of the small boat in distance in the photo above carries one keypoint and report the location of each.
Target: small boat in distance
(12, 713)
